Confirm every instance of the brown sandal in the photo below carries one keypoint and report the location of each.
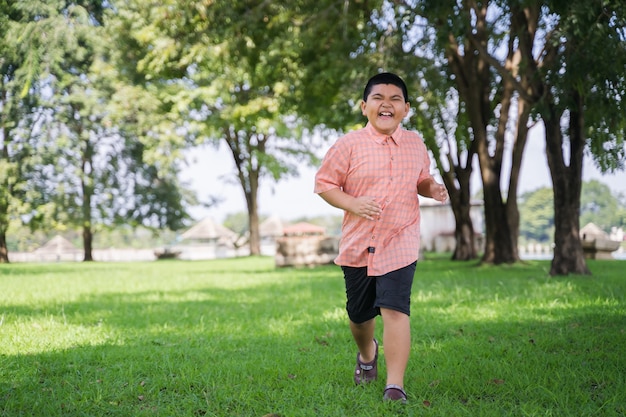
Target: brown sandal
(394, 392)
(366, 372)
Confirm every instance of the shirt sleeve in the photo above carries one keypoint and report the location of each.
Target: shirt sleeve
(335, 165)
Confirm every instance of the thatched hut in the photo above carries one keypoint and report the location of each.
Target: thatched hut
(58, 249)
(596, 242)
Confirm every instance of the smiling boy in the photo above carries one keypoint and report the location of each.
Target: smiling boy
(375, 174)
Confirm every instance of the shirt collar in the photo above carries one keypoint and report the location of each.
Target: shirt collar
(380, 137)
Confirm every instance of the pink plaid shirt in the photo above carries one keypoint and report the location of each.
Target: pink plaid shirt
(390, 169)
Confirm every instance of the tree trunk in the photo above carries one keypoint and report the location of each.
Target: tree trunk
(569, 257)
(474, 82)
(87, 191)
(464, 235)
(87, 243)
(4, 252)
(499, 247)
(253, 218)
(511, 207)
(500, 227)
(5, 196)
(460, 201)
(248, 172)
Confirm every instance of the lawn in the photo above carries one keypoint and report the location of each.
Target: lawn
(239, 337)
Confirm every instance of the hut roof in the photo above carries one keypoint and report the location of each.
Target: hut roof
(271, 227)
(303, 229)
(207, 229)
(592, 231)
(58, 244)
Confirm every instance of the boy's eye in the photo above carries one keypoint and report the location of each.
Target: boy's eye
(394, 98)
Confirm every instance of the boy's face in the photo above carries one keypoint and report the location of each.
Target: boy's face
(385, 108)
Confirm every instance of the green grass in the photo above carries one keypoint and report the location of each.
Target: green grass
(240, 338)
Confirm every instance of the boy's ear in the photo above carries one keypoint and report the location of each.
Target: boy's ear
(363, 104)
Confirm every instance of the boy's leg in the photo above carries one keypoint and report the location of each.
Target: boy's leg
(361, 294)
(363, 334)
(397, 343)
(394, 301)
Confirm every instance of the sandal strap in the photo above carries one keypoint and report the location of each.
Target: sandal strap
(369, 365)
(365, 367)
(396, 387)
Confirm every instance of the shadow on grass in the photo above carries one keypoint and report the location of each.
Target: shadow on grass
(485, 342)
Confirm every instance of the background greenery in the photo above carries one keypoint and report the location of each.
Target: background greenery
(598, 205)
(239, 337)
(103, 101)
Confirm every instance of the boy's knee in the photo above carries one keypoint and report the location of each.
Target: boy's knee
(392, 314)
(362, 324)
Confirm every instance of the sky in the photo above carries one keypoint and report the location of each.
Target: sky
(294, 198)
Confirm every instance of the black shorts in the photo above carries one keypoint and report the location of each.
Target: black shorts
(366, 295)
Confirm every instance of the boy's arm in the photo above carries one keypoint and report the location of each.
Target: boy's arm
(432, 189)
(363, 206)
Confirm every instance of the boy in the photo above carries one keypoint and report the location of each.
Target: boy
(374, 174)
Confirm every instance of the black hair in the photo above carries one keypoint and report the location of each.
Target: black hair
(386, 78)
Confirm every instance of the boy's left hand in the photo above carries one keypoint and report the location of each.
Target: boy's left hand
(431, 188)
(439, 192)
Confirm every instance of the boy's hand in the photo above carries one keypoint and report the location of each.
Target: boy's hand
(439, 192)
(363, 206)
(366, 207)
(432, 189)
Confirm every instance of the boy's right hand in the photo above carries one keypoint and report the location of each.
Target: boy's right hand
(366, 207)
(363, 206)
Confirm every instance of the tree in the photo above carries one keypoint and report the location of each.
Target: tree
(239, 81)
(537, 215)
(84, 170)
(10, 105)
(599, 205)
(401, 45)
(20, 114)
(478, 40)
(75, 128)
(341, 53)
(442, 118)
(544, 58)
(583, 104)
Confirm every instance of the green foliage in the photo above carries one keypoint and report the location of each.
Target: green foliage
(229, 82)
(537, 215)
(588, 59)
(22, 239)
(238, 222)
(238, 337)
(18, 117)
(100, 98)
(235, 81)
(76, 160)
(340, 47)
(598, 204)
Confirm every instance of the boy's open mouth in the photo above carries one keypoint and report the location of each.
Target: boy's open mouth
(385, 114)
